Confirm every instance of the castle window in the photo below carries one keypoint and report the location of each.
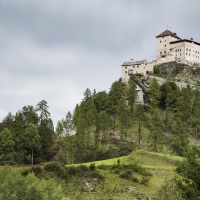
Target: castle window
(165, 45)
(186, 54)
(125, 67)
(186, 49)
(161, 53)
(165, 52)
(160, 41)
(125, 71)
(180, 54)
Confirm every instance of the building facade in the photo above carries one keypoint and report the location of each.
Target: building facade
(183, 50)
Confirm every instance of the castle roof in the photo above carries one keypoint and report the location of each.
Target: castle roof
(132, 62)
(168, 33)
(185, 40)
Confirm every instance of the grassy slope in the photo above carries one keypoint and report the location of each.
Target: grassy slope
(162, 167)
(86, 187)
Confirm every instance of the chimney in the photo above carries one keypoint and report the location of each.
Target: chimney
(191, 39)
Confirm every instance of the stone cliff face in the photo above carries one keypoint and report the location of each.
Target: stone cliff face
(181, 74)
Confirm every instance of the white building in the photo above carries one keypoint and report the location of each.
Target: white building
(169, 47)
(184, 50)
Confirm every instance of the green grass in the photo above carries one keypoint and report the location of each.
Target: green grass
(142, 157)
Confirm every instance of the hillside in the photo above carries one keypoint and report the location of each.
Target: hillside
(112, 147)
(136, 176)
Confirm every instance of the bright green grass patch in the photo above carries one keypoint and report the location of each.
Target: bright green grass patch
(171, 157)
(144, 158)
(112, 161)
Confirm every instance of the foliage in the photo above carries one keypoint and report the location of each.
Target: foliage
(189, 183)
(156, 69)
(7, 154)
(32, 139)
(13, 186)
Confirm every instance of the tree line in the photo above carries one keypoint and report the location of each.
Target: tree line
(101, 124)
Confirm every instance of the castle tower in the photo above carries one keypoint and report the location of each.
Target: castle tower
(163, 43)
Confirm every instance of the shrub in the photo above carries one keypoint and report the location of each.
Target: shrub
(96, 175)
(25, 172)
(53, 166)
(156, 69)
(104, 167)
(92, 167)
(83, 168)
(135, 179)
(126, 175)
(73, 170)
(37, 170)
(56, 167)
(145, 180)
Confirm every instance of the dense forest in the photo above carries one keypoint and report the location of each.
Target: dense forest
(107, 125)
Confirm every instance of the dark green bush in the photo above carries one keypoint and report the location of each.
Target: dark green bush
(95, 174)
(104, 167)
(53, 166)
(57, 168)
(73, 170)
(25, 172)
(37, 170)
(145, 180)
(135, 179)
(126, 174)
(92, 167)
(83, 168)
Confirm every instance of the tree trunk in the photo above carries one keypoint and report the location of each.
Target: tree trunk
(32, 158)
(139, 133)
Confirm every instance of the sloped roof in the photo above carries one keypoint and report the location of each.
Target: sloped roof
(130, 63)
(168, 33)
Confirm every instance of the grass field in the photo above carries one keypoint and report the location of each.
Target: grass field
(161, 166)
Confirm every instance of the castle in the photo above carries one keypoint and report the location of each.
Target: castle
(169, 48)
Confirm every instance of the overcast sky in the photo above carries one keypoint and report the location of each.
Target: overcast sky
(55, 49)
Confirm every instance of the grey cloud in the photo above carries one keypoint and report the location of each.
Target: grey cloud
(54, 50)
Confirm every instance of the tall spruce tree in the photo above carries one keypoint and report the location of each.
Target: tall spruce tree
(32, 140)
(7, 154)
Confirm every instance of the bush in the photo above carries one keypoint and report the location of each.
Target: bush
(14, 186)
(83, 168)
(104, 167)
(37, 170)
(96, 175)
(53, 166)
(56, 167)
(145, 180)
(73, 170)
(25, 172)
(92, 167)
(135, 179)
(156, 69)
(126, 175)
(124, 150)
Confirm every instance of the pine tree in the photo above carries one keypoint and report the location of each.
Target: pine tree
(7, 154)
(155, 137)
(32, 140)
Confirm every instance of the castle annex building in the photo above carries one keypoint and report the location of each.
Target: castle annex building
(169, 47)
